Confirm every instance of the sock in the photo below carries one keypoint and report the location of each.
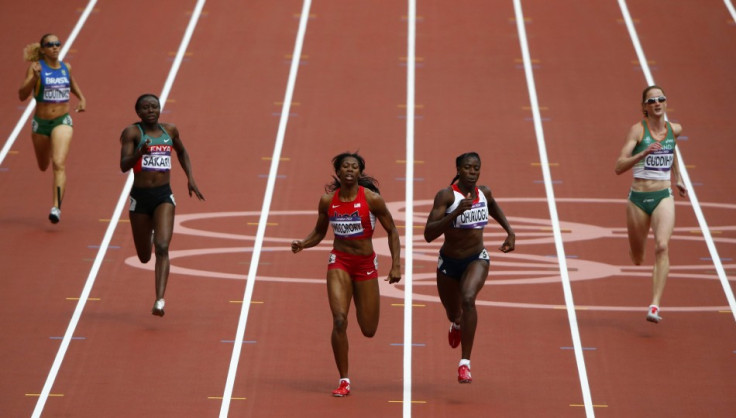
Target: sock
(464, 362)
(345, 379)
(456, 326)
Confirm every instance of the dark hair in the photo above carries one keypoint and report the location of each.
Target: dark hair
(143, 96)
(459, 161)
(644, 96)
(363, 180)
(43, 38)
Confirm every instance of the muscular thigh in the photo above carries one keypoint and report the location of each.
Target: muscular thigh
(663, 219)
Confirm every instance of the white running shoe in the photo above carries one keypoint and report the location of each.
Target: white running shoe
(55, 215)
(158, 308)
(653, 314)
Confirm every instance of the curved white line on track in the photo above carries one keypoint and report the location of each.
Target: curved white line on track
(113, 222)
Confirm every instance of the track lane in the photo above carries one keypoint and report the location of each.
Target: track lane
(629, 353)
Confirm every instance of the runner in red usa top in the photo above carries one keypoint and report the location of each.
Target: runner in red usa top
(352, 205)
(146, 147)
(460, 212)
(650, 153)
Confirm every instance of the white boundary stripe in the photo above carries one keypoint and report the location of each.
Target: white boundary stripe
(683, 170)
(109, 233)
(258, 244)
(567, 290)
(32, 105)
(409, 236)
(730, 8)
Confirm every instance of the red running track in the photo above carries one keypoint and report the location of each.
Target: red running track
(350, 94)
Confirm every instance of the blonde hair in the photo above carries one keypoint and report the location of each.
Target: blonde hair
(32, 52)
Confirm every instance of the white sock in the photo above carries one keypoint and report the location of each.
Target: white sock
(345, 379)
(464, 362)
(456, 326)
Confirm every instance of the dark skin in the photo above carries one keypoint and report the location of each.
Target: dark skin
(162, 221)
(458, 296)
(341, 289)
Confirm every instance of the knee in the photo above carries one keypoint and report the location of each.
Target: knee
(144, 257)
(369, 331)
(161, 249)
(468, 303)
(58, 166)
(340, 323)
(661, 249)
(636, 258)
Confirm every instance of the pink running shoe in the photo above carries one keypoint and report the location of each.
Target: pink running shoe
(342, 390)
(653, 314)
(454, 336)
(463, 374)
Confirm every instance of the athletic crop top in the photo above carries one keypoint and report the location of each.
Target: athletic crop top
(657, 165)
(54, 85)
(159, 158)
(351, 220)
(473, 218)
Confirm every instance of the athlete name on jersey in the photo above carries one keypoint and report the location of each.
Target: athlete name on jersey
(475, 217)
(660, 160)
(159, 158)
(346, 226)
(56, 94)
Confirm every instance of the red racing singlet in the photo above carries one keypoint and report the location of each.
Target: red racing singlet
(351, 220)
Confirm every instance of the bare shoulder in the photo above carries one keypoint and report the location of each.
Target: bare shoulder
(636, 129)
(676, 128)
(485, 190)
(170, 127)
(375, 200)
(130, 132)
(325, 200)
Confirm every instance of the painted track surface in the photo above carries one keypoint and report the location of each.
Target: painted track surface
(471, 93)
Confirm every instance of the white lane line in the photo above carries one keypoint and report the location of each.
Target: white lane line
(32, 104)
(567, 290)
(730, 8)
(258, 244)
(110, 231)
(704, 228)
(409, 204)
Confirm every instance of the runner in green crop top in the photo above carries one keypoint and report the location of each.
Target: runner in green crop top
(146, 148)
(650, 152)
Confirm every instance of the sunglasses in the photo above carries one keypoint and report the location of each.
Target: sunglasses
(653, 100)
(51, 44)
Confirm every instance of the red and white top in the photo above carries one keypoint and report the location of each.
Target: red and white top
(351, 220)
(473, 218)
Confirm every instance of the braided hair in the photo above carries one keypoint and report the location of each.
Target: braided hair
(363, 180)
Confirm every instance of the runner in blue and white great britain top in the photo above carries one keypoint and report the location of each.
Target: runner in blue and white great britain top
(460, 213)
